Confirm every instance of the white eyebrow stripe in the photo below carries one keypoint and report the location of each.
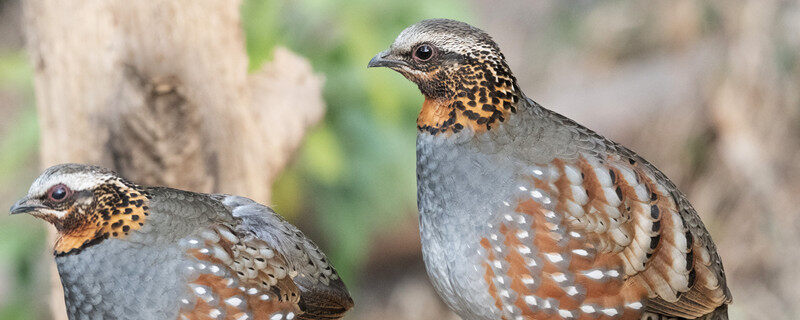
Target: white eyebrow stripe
(76, 181)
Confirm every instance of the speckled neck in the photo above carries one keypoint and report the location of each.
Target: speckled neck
(478, 94)
(118, 208)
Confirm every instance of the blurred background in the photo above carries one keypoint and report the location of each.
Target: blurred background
(708, 90)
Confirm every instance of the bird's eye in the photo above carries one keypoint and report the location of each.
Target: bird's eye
(423, 52)
(58, 193)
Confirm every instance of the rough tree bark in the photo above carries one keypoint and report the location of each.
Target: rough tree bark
(159, 91)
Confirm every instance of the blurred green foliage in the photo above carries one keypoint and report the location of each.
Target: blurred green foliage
(355, 173)
(21, 240)
(354, 177)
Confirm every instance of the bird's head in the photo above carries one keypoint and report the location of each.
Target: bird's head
(86, 204)
(460, 71)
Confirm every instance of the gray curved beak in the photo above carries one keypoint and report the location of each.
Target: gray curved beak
(384, 59)
(25, 205)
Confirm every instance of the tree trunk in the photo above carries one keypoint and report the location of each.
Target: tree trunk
(159, 91)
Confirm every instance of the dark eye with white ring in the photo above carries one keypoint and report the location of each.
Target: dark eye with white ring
(58, 193)
(423, 52)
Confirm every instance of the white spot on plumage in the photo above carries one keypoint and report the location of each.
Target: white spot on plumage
(531, 300)
(227, 234)
(574, 234)
(290, 316)
(554, 257)
(266, 253)
(536, 194)
(559, 277)
(263, 297)
(571, 290)
(636, 305)
(498, 264)
(214, 313)
(602, 176)
(523, 249)
(527, 280)
(612, 273)
(573, 175)
(579, 195)
(564, 313)
(594, 274)
(522, 234)
(233, 301)
(505, 293)
(610, 311)
(587, 309)
(276, 317)
(574, 209)
(252, 291)
(200, 290)
(537, 172)
(580, 252)
(222, 255)
(209, 235)
(508, 217)
(494, 236)
(204, 251)
(521, 188)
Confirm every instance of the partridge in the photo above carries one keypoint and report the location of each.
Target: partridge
(525, 214)
(126, 251)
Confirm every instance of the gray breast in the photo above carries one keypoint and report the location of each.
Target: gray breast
(463, 183)
(459, 191)
(118, 279)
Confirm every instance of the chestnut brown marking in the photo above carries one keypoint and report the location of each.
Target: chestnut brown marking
(517, 269)
(489, 275)
(609, 292)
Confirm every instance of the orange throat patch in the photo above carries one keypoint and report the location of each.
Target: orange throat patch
(442, 116)
(118, 210)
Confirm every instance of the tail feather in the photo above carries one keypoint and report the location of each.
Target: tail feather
(721, 313)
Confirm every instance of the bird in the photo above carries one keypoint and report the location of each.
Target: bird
(126, 251)
(526, 214)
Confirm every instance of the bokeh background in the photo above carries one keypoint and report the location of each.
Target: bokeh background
(708, 90)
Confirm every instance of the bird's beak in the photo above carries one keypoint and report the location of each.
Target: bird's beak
(385, 59)
(26, 205)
